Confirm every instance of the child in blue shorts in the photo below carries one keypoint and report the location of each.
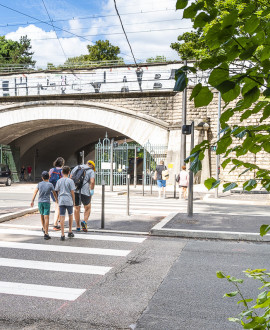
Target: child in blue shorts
(44, 188)
(65, 188)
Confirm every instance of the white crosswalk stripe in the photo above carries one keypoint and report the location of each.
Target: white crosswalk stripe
(41, 290)
(68, 249)
(80, 236)
(139, 205)
(54, 266)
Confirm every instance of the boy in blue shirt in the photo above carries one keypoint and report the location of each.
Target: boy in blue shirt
(66, 199)
(44, 188)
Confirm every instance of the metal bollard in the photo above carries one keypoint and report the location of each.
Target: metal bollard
(128, 184)
(103, 206)
(174, 192)
(143, 183)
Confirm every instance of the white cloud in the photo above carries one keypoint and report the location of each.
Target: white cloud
(161, 16)
(149, 15)
(46, 47)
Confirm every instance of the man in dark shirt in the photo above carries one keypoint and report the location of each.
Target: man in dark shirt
(160, 182)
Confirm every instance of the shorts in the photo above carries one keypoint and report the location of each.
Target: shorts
(161, 183)
(84, 199)
(63, 208)
(44, 208)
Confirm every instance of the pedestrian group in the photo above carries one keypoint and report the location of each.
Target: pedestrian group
(67, 189)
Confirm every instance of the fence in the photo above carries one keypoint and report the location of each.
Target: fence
(115, 162)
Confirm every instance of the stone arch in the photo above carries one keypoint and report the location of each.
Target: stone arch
(139, 127)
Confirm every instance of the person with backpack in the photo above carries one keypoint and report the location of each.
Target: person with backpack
(84, 180)
(55, 174)
(161, 175)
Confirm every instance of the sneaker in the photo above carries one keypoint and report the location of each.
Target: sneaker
(70, 234)
(78, 229)
(47, 236)
(84, 226)
(43, 230)
(62, 238)
(56, 227)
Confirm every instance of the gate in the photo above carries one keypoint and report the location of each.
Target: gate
(127, 158)
(11, 157)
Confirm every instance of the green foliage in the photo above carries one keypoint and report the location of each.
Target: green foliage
(16, 52)
(224, 32)
(191, 45)
(102, 50)
(157, 59)
(256, 316)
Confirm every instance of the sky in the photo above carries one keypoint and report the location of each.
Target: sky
(151, 26)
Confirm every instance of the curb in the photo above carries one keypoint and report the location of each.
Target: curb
(17, 214)
(159, 230)
(206, 198)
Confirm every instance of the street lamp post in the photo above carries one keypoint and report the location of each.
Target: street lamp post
(189, 130)
(218, 137)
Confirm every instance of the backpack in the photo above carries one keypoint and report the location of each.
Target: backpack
(78, 177)
(55, 176)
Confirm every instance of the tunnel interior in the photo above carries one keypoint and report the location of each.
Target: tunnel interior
(40, 142)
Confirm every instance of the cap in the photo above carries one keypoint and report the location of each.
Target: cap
(90, 162)
(44, 174)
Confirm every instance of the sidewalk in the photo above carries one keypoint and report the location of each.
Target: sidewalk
(232, 216)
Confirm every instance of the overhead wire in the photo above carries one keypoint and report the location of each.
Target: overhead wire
(78, 18)
(17, 11)
(54, 29)
(116, 33)
(124, 32)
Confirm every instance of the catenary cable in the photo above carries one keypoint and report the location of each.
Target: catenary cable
(54, 29)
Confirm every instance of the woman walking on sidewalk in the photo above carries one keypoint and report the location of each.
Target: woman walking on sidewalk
(183, 179)
(55, 174)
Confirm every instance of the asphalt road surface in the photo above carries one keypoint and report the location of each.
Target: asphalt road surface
(109, 281)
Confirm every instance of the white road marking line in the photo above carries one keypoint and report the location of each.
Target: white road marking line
(42, 291)
(54, 266)
(66, 249)
(80, 236)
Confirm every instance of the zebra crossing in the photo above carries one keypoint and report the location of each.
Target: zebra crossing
(139, 205)
(22, 251)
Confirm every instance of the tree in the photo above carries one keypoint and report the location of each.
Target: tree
(14, 52)
(239, 32)
(191, 46)
(103, 50)
(157, 59)
(243, 33)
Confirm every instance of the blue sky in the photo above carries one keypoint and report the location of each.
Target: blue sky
(151, 26)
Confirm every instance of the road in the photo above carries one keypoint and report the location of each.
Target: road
(105, 281)
(121, 281)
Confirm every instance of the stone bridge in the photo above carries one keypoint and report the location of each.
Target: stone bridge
(48, 114)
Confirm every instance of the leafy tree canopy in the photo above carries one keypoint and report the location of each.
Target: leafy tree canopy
(157, 59)
(102, 50)
(16, 52)
(237, 33)
(191, 46)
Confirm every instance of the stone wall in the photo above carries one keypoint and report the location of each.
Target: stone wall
(165, 106)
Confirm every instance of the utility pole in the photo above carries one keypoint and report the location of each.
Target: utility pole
(218, 137)
(184, 120)
(111, 172)
(190, 184)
